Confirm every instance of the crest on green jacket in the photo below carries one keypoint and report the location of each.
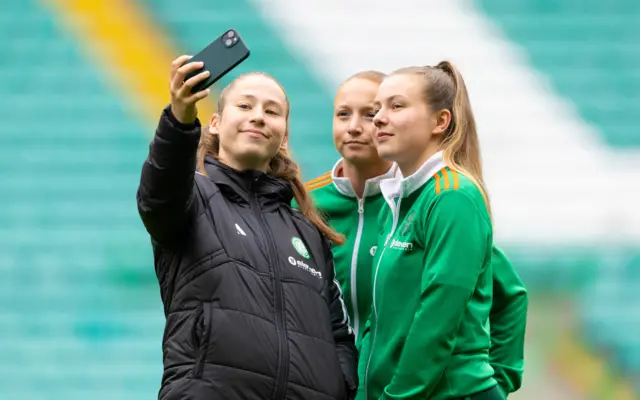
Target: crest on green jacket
(406, 225)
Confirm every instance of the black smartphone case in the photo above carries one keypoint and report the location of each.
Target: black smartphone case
(219, 58)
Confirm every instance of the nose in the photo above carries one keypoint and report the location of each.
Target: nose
(257, 116)
(380, 119)
(355, 126)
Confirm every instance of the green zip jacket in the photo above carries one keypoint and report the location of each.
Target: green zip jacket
(432, 290)
(356, 218)
(508, 324)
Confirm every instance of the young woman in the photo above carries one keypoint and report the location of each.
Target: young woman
(349, 198)
(252, 307)
(428, 335)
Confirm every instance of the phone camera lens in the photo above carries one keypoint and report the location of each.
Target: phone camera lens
(228, 42)
(231, 34)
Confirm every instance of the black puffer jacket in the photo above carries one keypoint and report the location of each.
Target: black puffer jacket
(252, 308)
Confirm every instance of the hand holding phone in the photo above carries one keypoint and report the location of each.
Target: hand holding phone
(183, 99)
(219, 57)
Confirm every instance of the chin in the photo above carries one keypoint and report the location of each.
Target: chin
(386, 152)
(361, 157)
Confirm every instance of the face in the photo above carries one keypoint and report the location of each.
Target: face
(404, 124)
(353, 121)
(253, 124)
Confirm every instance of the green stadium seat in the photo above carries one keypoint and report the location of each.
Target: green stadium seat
(311, 140)
(83, 317)
(588, 51)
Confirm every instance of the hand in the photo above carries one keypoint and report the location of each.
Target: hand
(183, 102)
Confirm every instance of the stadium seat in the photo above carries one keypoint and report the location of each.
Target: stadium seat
(587, 49)
(84, 319)
(311, 140)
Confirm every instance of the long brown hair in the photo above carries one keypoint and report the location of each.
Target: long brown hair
(444, 89)
(281, 166)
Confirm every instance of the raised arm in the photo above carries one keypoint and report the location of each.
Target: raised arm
(166, 191)
(508, 324)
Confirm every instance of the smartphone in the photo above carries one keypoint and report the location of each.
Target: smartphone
(219, 57)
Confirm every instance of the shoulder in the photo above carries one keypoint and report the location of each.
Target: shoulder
(453, 194)
(449, 186)
(321, 186)
(319, 182)
(322, 190)
(205, 186)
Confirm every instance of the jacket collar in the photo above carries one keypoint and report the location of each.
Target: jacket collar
(371, 186)
(241, 186)
(400, 186)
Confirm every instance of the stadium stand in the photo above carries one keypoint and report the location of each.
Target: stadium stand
(311, 102)
(82, 316)
(588, 51)
(81, 319)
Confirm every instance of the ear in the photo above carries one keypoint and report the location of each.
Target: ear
(213, 124)
(443, 120)
(285, 141)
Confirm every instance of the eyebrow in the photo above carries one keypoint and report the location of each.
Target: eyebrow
(389, 99)
(347, 107)
(268, 101)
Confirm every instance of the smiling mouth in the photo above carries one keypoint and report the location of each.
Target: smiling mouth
(255, 132)
(383, 135)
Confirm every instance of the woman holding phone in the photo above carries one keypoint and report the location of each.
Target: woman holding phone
(252, 308)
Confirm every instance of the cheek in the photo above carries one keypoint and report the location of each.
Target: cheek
(226, 131)
(338, 133)
(279, 128)
(368, 129)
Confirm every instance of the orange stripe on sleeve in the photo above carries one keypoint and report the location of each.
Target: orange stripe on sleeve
(318, 185)
(437, 176)
(445, 176)
(319, 179)
(455, 180)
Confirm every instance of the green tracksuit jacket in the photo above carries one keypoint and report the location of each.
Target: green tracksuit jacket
(508, 320)
(428, 335)
(356, 218)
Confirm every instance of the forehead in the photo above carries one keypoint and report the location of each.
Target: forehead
(260, 87)
(356, 90)
(405, 85)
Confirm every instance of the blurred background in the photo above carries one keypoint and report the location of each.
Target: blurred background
(555, 86)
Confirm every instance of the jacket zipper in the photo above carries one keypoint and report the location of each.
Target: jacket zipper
(354, 267)
(283, 356)
(395, 213)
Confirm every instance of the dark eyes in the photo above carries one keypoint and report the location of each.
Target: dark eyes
(344, 114)
(245, 106)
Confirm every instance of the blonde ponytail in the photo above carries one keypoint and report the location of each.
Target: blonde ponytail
(444, 89)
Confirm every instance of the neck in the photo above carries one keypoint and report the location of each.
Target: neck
(243, 165)
(359, 174)
(410, 167)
